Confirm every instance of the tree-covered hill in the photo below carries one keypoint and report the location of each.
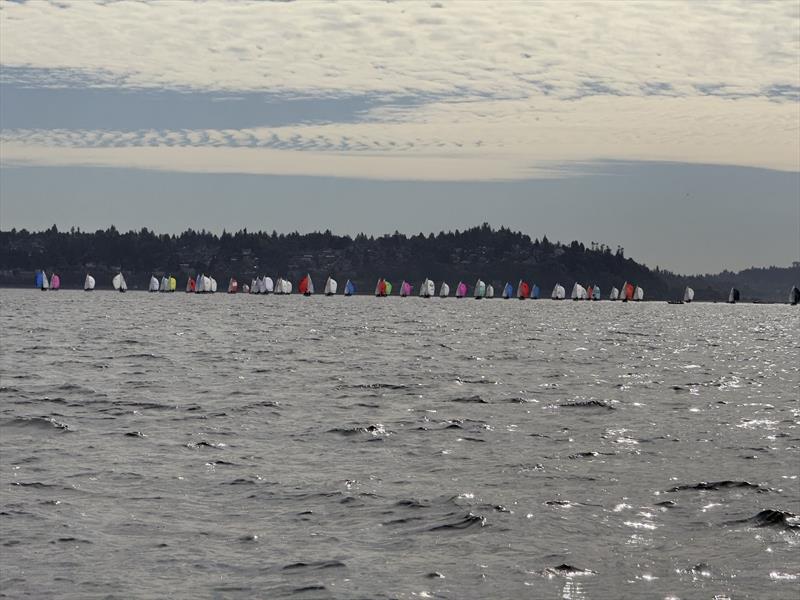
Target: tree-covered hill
(495, 255)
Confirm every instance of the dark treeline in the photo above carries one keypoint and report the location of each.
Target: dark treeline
(495, 255)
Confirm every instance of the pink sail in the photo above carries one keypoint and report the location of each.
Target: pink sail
(461, 290)
(405, 289)
(55, 282)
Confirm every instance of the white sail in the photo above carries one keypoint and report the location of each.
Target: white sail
(119, 282)
(480, 289)
(423, 289)
(331, 286)
(153, 286)
(489, 291)
(279, 285)
(638, 294)
(287, 286)
(578, 292)
(212, 284)
(89, 283)
(267, 285)
(164, 287)
(444, 290)
(614, 295)
(45, 282)
(688, 295)
(559, 293)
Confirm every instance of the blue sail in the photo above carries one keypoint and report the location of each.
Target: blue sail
(535, 292)
(39, 279)
(596, 292)
(508, 291)
(349, 289)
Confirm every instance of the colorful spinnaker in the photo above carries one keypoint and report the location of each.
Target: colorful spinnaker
(381, 289)
(349, 288)
(461, 290)
(596, 293)
(536, 292)
(405, 289)
(88, 283)
(190, 285)
(627, 292)
(331, 286)
(508, 291)
(173, 284)
(42, 282)
(306, 286)
(233, 285)
(55, 282)
(523, 290)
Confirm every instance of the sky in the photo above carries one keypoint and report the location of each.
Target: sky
(669, 128)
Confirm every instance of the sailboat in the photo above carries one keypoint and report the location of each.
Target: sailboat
(119, 283)
(427, 289)
(278, 286)
(213, 286)
(190, 285)
(41, 280)
(461, 290)
(267, 285)
(55, 282)
(380, 288)
(596, 292)
(444, 290)
(688, 295)
(88, 283)
(331, 286)
(245, 289)
(627, 292)
(405, 289)
(153, 285)
(578, 292)
(489, 291)
(794, 296)
(200, 285)
(164, 285)
(480, 290)
(173, 284)
(733, 297)
(536, 292)
(523, 290)
(559, 293)
(306, 286)
(508, 291)
(349, 288)
(233, 286)
(638, 294)
(614, 295)
(286, 286)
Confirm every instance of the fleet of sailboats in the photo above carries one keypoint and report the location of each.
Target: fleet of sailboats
(203, 284)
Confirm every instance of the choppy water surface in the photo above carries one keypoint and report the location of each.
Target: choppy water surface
(234, 447)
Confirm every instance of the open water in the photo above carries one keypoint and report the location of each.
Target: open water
(285, 447)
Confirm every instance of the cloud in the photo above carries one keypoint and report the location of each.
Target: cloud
(482, 90)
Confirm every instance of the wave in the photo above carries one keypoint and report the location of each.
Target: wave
(315, 566)
(726, 484)
(41, 423)
(466, 521)
(565, 570)
(771, 518)
(375, 430)
(470, 399)
(587, 404)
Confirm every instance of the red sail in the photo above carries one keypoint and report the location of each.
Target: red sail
(524, 290)
(303, 285)
(589, 292)
(382, 288)
(629, 289)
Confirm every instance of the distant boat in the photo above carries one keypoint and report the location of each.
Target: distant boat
(614, 295)
(638, 294)
(164, 285)
(461, 289)
(287, 286)
(306, 286)
(688, 295)
(578, 292)
(405, 289)
(190, 285)
(733, 297)
(627, 292)
(119, 283)
(233, 286)
(41, 280)
(383, 288)
(444, 290)
(508, 291)
(55, 282)
(173, 284)
(267, 285)
(330, 287)
(245, 289)
(536, 292)
(349, 288)
(427, 289)
(278, 289)
(480, 290)
(153, 285)
(559, 293)
(489, 291)
(596, 292)
(589, 292)
(202, 285)
(88, 283)
(794, 296)
(523, 290)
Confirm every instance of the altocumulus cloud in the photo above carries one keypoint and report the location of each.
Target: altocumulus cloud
(469, 90)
